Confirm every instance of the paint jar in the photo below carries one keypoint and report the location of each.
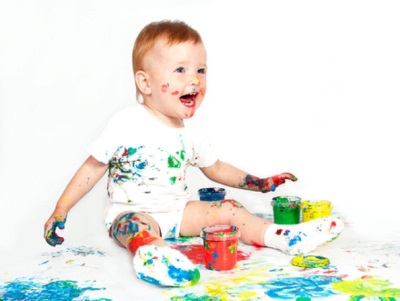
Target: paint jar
(212, 194)
(315, 209)
(286, 209)
(220, 247)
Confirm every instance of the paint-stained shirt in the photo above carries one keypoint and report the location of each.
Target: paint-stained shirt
(147, 162)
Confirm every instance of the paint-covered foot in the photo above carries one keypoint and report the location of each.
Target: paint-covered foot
(164, 266)
(305, 237)
(313, 234)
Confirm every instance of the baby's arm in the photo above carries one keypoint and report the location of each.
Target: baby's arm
(229, 175)
(87, 176)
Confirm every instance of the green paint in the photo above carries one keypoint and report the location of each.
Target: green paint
(286, 210)
(193, 297)
(361, 298)
(181, 154)
(173, 162)
(370, 287)
(131, 151)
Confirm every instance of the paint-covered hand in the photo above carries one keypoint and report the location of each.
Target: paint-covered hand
(50, 235)
(270, 184)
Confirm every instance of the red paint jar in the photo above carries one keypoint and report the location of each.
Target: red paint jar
(220, 246)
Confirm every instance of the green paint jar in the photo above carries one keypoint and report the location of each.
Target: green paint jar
(286, 209)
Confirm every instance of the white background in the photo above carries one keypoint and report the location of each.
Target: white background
(309, 87)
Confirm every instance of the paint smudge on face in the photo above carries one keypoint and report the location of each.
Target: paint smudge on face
(164, 88)
(369, 287)
(61, 290)
(175, 93)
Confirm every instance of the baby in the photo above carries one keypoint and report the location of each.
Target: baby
(146, 149)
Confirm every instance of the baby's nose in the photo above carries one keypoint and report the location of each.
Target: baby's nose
(196, 81)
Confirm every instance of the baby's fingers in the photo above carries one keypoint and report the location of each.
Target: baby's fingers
(288, 176)
(53, 239)
(51, 236)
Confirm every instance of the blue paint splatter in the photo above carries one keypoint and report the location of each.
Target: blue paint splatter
(316, 286)
(22, 289)
(77, 251)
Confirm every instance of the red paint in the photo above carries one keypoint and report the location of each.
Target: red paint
(278, 180)
(285, 232)
(257, 245)
(220, 247)
(164, 88)
(175, 93)
(141, 239)
(196, 253)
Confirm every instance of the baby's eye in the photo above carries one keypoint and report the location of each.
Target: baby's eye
(201, 71)
(180, 70)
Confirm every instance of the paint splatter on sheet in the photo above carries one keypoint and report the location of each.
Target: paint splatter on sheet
(268, 275)
(76, 251)
(22, 289)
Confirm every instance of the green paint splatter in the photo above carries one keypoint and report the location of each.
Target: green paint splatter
(173, 162)
(370, 287)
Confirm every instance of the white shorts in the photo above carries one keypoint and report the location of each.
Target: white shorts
(169, 222)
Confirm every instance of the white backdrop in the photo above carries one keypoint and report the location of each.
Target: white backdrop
(310, 87)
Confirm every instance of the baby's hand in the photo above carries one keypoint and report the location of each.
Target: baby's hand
(270, 184)
(50, 235)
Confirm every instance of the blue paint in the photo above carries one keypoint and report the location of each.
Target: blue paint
(212, 194)
(149, 279)
(294, 240)
(22, 289)
(183, 276)
(316, 286)
(76, 251)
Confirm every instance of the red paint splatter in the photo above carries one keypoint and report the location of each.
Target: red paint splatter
(281, 231)
(196, 253)
(140, 239)
(257, 245)
(175, 93)
(164, 88)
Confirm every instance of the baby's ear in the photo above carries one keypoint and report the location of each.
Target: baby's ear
(142, 82)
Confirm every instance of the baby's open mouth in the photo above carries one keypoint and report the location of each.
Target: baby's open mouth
(189, 99)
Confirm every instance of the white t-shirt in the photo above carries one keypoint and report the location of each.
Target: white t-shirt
(147, 162)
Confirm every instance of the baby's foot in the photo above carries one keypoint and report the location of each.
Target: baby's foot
(164, 266)
(305, 237)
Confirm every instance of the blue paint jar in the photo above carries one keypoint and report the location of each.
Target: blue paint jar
(212, 194)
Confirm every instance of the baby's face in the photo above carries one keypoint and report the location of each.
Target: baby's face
(177, 78)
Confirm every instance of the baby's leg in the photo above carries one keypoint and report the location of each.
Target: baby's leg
(135, 229)
(153, 260)
(290, 239)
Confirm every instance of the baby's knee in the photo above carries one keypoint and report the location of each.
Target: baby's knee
(232, 204)
(129, 224)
